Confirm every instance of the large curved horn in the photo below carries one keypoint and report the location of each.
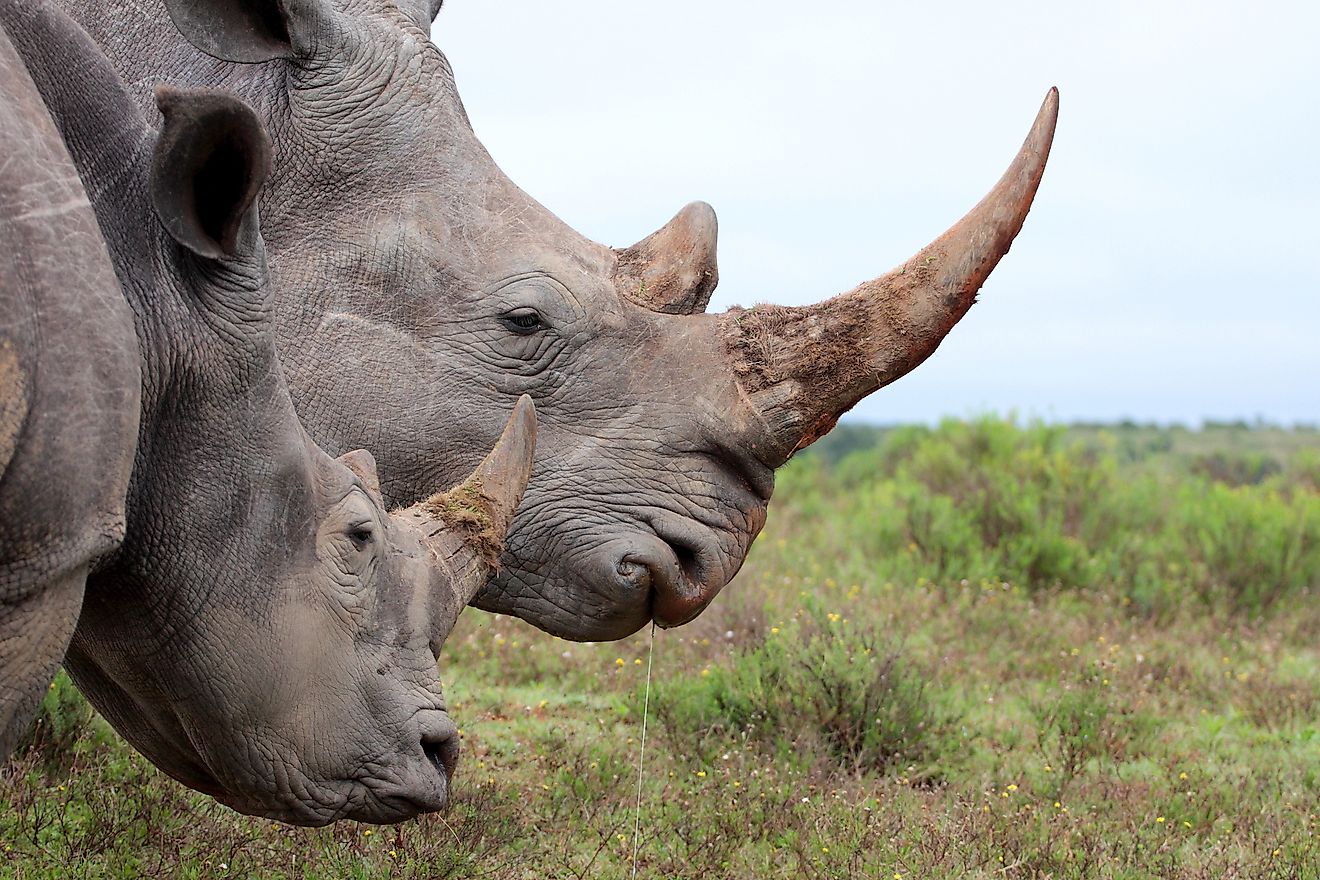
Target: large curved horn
(465, 527)
(804, 367)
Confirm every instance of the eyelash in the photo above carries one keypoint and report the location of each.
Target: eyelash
(525, 323)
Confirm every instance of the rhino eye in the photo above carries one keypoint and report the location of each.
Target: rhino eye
(361, 536)
(524, 321)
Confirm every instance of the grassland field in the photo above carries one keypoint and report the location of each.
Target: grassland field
(980, 650)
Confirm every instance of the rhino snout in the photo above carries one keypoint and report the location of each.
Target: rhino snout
(675, 569)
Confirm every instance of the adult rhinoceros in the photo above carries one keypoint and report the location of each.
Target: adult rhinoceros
(69, 397)
(267, 632)
(420, 290)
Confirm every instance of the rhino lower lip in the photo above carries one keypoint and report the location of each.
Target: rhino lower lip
(689, 576)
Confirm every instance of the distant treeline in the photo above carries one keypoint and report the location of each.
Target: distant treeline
(1234, 452)
(1159, 516)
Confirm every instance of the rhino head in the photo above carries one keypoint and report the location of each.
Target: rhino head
(420, 290)
(268, 630)
(279, 644)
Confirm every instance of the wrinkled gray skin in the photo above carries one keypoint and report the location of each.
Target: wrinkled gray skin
(267, 632)
(420, 290)
(69, 389)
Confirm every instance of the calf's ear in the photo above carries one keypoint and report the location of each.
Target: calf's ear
(363, 464)
(248, 31)
(212, 156)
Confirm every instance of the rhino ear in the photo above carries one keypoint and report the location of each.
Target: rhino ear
(363, 464)
(673, 269)
(246, 31)
(422, 12)
(212, 156)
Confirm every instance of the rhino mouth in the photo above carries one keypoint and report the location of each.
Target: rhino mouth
(398, 785)
(665, 568)
(678, 567)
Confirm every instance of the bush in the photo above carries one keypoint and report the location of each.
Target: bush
(1083, 721)
(1251, 546)
(987, 501)
(1236, 469)
(62, 720)
(815, 691)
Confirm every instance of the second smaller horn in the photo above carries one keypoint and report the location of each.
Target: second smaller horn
(464, 527)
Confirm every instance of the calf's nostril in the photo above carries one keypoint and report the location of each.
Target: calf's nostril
(442, 752)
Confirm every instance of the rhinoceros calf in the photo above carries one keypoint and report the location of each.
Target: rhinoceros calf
(69, 397)
(420, 290)
(267, 632)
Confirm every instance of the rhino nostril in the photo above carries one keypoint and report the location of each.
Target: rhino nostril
(442, 752)
(689, 561)
(638, 574)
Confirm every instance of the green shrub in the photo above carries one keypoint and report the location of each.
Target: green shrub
(1035, 507)
(1250, 545)
(1236, 469)
(1084, 721)
(62, 720)
(816, 690)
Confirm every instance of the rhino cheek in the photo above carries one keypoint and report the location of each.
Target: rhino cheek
(303, 720)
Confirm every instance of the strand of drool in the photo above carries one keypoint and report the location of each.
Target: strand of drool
(641, 758)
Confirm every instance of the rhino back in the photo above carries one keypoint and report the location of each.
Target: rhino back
(69, 397)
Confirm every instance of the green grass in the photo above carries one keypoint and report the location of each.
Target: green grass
(980, 650)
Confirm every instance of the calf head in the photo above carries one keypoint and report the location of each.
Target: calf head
(420, 290)
(268, 630)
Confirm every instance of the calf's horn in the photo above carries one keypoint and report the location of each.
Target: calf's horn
(804, 367)
(465, 527)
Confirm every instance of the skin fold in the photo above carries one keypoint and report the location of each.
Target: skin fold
(268, 628)
(419, 291)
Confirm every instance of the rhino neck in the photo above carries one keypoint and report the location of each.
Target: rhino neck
(213, 398)
(111, 145)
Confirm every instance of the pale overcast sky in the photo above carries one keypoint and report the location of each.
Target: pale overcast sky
(1169, 271)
